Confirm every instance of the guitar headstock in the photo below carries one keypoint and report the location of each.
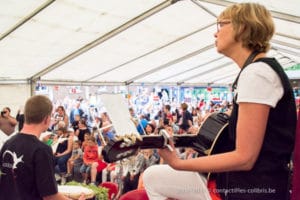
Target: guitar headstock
(121, 147)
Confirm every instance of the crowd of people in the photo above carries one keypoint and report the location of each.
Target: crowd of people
(77, 147)
(76, 144)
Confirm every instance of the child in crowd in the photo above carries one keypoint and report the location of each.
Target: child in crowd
(85, 140)
(90, 155)
(76, 158)
(97, 168)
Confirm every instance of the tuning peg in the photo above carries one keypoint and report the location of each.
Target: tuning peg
(167, 138)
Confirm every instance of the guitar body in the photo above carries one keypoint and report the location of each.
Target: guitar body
(213, 130)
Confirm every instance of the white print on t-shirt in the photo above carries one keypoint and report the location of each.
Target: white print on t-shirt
(15, 158)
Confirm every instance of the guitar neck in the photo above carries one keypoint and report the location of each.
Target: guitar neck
(151, 142)
(184, 140)
(204, 142)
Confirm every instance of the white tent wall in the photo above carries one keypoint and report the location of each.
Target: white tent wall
(14, 96)
(128, 42)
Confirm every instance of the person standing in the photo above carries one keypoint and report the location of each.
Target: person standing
(7, 125)
(186, 119)
(61, 118)
(76, 111)
(20, 118)
(7, 122)
(26, 163)
(252, 162)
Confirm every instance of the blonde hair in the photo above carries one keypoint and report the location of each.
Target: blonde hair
(252, 23)
(184, 106)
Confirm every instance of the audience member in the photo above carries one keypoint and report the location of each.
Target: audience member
(46, 137)
(107, 132)
(7, 122)
(82, 129)
(26, 163)
(90, 156)
(75, 159)
(186, 119)
(96, 170)
(63, 153)
(20, 118)
(76, 111)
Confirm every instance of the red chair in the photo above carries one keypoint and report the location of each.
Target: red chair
(138, 194)
(113, 189)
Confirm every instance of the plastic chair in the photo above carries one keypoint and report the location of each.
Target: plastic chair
(139, 194)
(112, 189)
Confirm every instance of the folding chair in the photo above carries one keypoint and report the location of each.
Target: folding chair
(138, 194)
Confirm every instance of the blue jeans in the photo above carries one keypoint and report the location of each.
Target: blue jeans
(61, 163)
(85, 168)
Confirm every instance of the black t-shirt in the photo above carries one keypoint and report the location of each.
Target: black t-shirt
(75, 125)
(81, 134)
(186, 116)
(27, 169)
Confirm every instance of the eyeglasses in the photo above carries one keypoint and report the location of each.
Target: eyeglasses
(220, 24)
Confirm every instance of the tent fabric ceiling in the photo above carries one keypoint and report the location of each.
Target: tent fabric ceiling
(122, 42)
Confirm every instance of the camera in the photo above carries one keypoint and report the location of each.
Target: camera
(2, 113)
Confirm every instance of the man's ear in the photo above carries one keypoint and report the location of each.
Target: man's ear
(47, 120)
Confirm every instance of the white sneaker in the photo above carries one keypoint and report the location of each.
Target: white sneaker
(57, 177)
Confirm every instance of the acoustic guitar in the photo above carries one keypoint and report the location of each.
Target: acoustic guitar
(210, 135)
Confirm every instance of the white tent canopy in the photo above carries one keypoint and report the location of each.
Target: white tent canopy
(123, 42)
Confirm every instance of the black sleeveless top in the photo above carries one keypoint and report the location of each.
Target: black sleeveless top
(63, 146)
(269, 178)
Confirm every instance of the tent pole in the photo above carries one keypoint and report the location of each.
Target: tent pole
(32, 87)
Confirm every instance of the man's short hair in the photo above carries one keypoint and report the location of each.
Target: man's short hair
(37, 108)
(168, 107)
(184, 106)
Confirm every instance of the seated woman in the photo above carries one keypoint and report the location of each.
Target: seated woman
(62, 153)
(61, 119)
(82, 129)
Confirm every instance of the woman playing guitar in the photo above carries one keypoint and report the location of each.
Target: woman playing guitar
(252, 163)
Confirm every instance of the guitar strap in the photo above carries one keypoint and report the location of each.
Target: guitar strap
(233, 118)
